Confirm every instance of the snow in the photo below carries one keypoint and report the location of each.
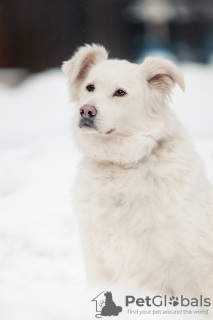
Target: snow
(41, 268)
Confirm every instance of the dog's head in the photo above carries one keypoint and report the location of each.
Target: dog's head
(122, 109)
(108, 295)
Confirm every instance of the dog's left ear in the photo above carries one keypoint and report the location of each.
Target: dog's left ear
(162, 74)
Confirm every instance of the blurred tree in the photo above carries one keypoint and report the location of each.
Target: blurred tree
(40, 34)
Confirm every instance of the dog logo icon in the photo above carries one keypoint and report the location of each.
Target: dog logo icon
(174, 301)
(105, 306)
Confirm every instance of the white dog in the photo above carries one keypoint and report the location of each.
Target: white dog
(144, 204)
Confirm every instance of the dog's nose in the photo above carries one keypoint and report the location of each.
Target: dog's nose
(87, 111)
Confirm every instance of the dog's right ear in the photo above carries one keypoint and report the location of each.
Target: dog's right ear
(84, 58)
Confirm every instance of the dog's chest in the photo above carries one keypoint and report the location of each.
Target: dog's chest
(120, 212)
(114, 194)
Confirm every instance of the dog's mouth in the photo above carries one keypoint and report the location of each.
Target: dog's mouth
(88, 125)
(110, 131)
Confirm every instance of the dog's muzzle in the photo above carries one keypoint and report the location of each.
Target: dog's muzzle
(88, 113)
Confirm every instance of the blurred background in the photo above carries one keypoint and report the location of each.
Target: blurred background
(39, 34)
(41, 269)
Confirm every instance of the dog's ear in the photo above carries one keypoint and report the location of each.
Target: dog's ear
(162, 74)
(84, 58)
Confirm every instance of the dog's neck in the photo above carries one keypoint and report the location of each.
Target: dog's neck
(136, 153)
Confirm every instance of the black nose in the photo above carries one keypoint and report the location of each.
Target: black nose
(87, 111)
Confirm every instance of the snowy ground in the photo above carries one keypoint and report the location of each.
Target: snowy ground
(41, 268)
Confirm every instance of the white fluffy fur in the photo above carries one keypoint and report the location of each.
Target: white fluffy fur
(145, 207)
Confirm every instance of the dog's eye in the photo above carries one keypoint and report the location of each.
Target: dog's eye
(90, 87)
(119, 93)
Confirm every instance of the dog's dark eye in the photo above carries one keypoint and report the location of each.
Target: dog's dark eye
(119, 93)
(90, 87)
